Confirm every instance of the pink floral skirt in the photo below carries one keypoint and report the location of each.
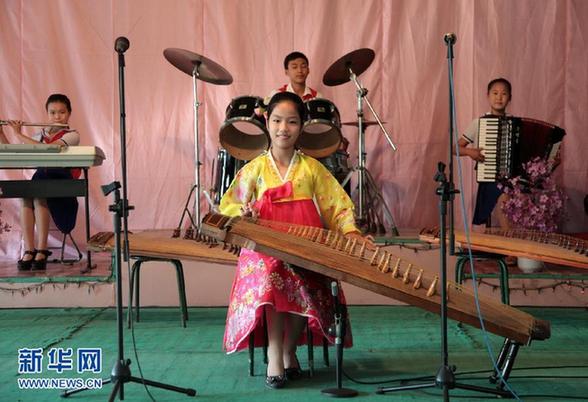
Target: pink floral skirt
(262, 281)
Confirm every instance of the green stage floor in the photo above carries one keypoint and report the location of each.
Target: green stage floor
(391, 343)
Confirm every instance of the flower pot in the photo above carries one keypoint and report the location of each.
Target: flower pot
(528, 265)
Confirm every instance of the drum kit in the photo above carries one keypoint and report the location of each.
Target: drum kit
(243, 135)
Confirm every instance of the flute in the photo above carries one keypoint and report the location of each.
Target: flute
(25, 124)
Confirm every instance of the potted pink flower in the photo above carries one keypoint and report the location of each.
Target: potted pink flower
(534, 201)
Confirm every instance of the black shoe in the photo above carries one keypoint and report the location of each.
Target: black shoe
(293, 373)
(23, 265)
(41, 265)
(275, 381)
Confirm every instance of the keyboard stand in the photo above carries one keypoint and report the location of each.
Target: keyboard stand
(53, 188)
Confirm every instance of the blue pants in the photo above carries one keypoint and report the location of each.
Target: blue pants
(486, 200)
(63, 210)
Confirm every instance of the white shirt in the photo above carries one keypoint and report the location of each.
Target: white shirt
(288, 88)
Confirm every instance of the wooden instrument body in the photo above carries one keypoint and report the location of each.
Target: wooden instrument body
(385, 274)
(160, 244)
(553, 248)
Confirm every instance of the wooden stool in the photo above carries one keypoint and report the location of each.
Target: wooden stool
(461, 275)
(135, 281)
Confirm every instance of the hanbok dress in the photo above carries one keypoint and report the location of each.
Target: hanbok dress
(307, 195)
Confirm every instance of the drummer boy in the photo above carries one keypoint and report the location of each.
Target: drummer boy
(296, 68)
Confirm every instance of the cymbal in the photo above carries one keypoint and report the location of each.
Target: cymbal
(208, 70)
(358, 60)
(366, 123)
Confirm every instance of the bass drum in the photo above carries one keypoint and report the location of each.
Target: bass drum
(243, 134)
(226, 170)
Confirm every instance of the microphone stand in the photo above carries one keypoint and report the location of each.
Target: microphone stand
(121, 47)
(450, 39)
(445, 377)
(340, 332)
(121, 372)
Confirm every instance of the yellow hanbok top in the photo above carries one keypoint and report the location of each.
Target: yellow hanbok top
(310, 180)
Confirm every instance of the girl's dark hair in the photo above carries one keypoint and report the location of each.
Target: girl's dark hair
(287, 97)
(58, 98)
(501, 81)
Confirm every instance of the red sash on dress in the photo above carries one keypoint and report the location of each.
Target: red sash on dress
(75, 172)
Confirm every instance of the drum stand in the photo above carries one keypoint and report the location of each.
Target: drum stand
(365, 182)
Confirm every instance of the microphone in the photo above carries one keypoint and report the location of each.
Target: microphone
(450, 38)
(121, 44)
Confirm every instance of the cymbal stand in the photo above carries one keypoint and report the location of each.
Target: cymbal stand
(199, 68)
(374, 200)
(196, 189)
(196, 215)
(362, 179)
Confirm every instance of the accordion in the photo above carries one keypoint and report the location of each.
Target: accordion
(509, 142)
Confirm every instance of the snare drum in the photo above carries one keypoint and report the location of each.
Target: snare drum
(321, 132)
(243, 134)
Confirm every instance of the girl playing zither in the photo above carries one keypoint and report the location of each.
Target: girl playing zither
(283, 185)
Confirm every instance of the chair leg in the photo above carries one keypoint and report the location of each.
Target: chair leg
(185, 312)
(132, 286)
(137, 284)
(459, 269)
(73, 242)
(252, 344)
(326, 351)
(251, 353)
(179, 275)
(504, 286)
(309, 343)
(62, 247)
(265, 338)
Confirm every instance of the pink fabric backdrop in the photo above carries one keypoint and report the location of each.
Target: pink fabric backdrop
(67, 46)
